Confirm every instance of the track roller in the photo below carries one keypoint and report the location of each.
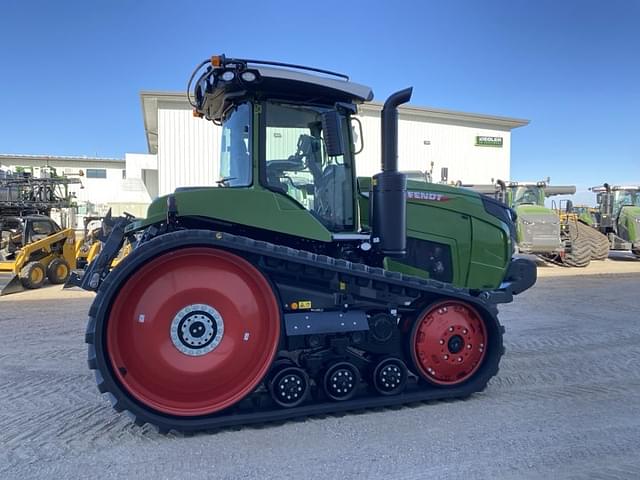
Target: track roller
(390, 376)
(341, 381)
(289, 387)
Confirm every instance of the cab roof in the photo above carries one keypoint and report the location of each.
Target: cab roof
(227, 81)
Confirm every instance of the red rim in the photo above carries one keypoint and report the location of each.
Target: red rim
(448, 343)
(143, 355)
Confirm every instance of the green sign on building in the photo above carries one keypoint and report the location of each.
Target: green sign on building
(488, 141)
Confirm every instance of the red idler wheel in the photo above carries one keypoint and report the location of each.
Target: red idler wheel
(193, 331)
(448, 342)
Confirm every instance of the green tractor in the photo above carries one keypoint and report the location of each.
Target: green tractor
(553, 234)
(295, 288)
(617, 216)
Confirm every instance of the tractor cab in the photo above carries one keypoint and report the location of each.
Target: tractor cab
(525, 193)
(618, 215)
(286, 131)
(625, 197)
(613, 200)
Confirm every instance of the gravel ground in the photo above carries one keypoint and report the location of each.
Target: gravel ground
(566, 403)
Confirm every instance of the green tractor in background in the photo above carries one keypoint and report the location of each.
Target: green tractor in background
(554, 234)
(617, 216)
(295, 288)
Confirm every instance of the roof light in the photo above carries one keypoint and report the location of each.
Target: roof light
(216, 60)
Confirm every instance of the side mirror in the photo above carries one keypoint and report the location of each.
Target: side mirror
(444, 174)
(332, 128)
(599, 198)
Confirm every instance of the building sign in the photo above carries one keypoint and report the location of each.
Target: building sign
(483, 141)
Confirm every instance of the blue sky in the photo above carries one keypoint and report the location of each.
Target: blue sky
(71, 71)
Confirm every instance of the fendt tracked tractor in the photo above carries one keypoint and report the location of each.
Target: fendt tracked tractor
(295, 288)
(553, 234)
(618, 216)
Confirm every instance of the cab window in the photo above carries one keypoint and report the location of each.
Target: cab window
(297, 164)
(235, 146)
(41, 229)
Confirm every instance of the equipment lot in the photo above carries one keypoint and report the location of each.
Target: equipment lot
(566, 403)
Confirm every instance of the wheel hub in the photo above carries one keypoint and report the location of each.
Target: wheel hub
(448, 343)
(455, 344)
(197, 329)
(341, 381)
(390, 376)
(289, 387)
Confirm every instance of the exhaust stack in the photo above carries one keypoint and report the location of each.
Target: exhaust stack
(389, 187)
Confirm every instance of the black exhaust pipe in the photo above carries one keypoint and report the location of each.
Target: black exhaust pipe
(389, 187)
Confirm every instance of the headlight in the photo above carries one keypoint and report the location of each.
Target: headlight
(248, 76)
(228, 75)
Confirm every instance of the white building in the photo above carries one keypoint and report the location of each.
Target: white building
(475, 148)
(105, 183)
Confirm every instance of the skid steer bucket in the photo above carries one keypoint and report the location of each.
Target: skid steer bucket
(10, 283)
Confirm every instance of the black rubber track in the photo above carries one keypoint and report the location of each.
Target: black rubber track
(598, 242)
(579, 252)
(256, 408)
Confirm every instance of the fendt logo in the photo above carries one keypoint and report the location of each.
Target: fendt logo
(427, 196)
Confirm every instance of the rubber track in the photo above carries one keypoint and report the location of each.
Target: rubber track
(580, 249)
(598, 243)
(396, 284)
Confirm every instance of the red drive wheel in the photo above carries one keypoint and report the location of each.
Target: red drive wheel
(448, 342)
(193, 331)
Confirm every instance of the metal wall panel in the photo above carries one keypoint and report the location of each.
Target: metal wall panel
(188, 150)
(447, 145)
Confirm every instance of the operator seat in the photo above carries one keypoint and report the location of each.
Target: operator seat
(334, 203)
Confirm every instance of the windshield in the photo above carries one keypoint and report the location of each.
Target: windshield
(235, 146)
(530, 195)
(297, 164)
(625, 197)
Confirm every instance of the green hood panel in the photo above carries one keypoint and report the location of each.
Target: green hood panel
(533, 210)
(457, 218)
(257, 208)
(629, 224)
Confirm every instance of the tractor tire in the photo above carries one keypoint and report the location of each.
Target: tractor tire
(636, 252)
(579, 254)
(32, 275)
(599, 243)
(58, 271)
